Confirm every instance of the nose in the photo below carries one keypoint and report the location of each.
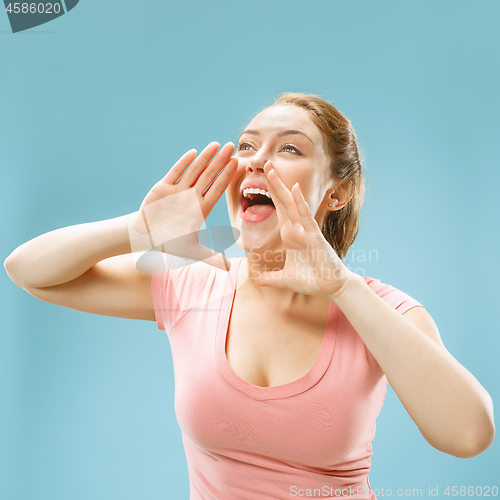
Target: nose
(256, 166)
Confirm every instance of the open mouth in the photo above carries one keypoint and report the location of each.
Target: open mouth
(254, 200)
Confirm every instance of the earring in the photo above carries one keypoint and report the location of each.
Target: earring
(329, 204)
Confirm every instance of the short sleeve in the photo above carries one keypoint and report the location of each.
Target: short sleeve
(399, 300)
(176, 286)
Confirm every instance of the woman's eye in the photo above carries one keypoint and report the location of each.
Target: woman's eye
(244, 146)
(289, 148)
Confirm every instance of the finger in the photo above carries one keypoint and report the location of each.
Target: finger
(308, 220)
(198, 165)
(176, 171)
(280, 209)
(281, 218)
(283, 197)
(271, 278)
(217, 188)
(216, 165)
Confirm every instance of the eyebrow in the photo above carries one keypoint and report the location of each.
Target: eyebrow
(281, 134)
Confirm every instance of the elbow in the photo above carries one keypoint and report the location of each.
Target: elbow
(8, 264)
(467, 447)
(480, 436)
(480, 441)
(11, 266)
(481, 430)
(469, 441)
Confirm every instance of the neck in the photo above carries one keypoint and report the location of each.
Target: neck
(265, 261)
(255, 264)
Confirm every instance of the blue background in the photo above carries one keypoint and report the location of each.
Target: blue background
(96, 106)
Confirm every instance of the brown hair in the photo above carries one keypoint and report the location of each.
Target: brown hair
(340, 227)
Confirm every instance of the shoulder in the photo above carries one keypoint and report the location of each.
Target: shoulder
(424, 322)
(179, 285)
(411, 308)
(186, 274)
(395, 297)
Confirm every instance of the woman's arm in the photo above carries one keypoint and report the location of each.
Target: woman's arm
(65, 254)
(89, 267)
(452, 410)
(85, 267)
(450, 407)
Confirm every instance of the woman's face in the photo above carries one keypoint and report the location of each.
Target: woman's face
(287, 137)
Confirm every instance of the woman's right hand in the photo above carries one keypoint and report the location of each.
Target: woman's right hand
(174, 210)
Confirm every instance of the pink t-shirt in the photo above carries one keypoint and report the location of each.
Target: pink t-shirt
(308, 438)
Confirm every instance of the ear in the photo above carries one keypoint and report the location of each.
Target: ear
(339, 196)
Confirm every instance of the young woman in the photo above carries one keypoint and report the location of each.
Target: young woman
(281, 358)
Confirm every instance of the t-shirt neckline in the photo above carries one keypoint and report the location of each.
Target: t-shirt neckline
(303, 384)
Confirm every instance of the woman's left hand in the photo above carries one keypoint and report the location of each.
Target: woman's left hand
(312, 266)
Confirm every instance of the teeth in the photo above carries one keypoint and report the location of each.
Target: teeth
(248, 191)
